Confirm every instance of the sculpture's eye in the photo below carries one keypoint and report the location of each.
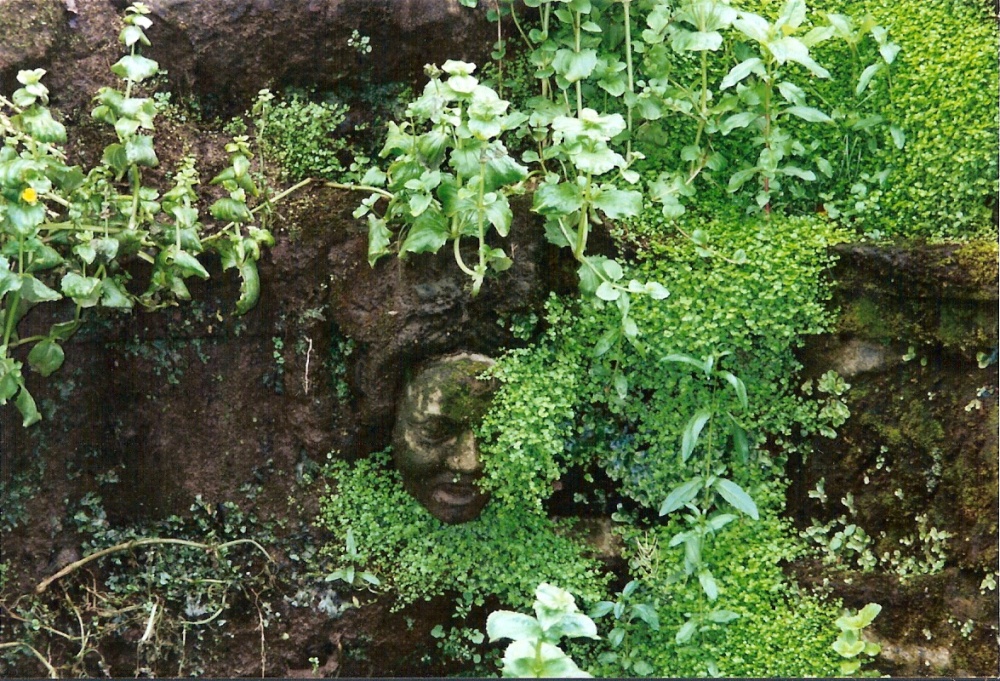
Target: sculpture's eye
(438, 431)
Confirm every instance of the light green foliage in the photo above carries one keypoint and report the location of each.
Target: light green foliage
(350, 574)
(504, 553)
(534, 652)
(944, 95)
(760, 626)
(628, 410)
(850, 644)
(64, 233)
(301, 135)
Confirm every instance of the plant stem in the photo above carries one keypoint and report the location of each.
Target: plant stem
(44, 584)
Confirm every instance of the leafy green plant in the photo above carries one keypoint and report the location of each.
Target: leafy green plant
(627, 611)
(534, 652)
(301, 135)
(850, 644)
(66, 234)
(350, 574)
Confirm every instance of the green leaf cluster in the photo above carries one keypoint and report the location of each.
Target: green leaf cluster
(302, 136)
(503, 554)
(66, 233)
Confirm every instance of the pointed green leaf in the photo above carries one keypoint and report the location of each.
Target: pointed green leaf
(113, 295)
(26, 405)
(692, 431)
(617, 203)
(686, 632)
(808, 113)
(708, 584)
(681, 495)
(739, 72)
(736, 497)
(249, 287)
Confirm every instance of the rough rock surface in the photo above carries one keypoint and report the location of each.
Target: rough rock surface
(230, 49)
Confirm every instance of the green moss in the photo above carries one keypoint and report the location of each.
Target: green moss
(921, 426)
(867, 318)
(979, 261)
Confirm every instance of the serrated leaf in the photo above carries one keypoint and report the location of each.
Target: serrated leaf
(557, 199)
(736, 497)
(139, 151)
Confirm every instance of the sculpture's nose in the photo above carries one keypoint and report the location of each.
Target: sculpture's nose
(464, 458)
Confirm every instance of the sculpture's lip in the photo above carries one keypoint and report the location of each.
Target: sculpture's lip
(456, 494)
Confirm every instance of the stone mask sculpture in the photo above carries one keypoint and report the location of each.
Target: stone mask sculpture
(433, 443)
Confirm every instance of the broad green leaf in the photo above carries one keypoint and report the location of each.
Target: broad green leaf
(681, 495)
(230, 210)
(722, 616)
(379, 238)
(868, 614)
(8, 384)
(187, 264)
(794, 171)
(85, 291)
(889, 52)
(574, 66)
(739, 120)
(46, 357)
(753, 26)
(498, 214)
(643, 668)
(607, 341)
(717, 522)
(574, 625)
(135, 67)
(845, 649)
(26, 405)
(792, 49)
(600, 609)
(618, 203)
(38, 123)
(739, 72)
(427, 234)
(502, 170)
(115, 158)
(607, 291)
(113, 295)
(808, 113)
(557, 199)
(736, 497)
(686, 632)
(647, 614)
(139, 151)
(692, 431)
(24, 219)
(898, 136)
(696, 41)
(792, 14)
(9, 281)
(34, 291)
(512, 625)
(792, 93)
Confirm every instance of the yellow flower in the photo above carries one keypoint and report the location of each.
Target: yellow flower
(29, 195)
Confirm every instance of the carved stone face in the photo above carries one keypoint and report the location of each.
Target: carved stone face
(433, 445)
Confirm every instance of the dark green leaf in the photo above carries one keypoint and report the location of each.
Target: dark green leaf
(46, 357)
(231, 210)
(249, 287)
